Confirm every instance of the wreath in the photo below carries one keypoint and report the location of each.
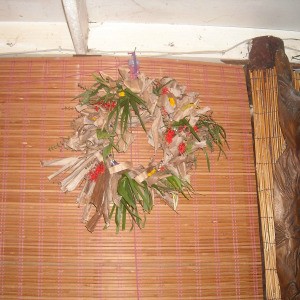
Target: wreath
(176, 126)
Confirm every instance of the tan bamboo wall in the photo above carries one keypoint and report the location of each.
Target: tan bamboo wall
(269, 144)
(209, 250)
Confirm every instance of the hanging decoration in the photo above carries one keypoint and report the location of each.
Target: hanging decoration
(111, 110)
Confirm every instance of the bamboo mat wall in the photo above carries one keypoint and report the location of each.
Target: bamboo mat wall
(209, 250)
(269, 144)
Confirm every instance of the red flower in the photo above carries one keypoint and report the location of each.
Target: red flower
(165, 90)
(169, 135)
(162, 169)
(195, 128)
(181, 147)
(96, 108)
(99, 169)
(109, 105)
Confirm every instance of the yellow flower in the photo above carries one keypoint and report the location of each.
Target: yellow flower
(172, 101)
(122, 94)
(153, 171)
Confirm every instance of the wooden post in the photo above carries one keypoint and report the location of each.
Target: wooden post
(268, 52)
(77, 19)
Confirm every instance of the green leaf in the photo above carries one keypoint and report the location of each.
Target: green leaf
(133, 213)
(135, 97)
(189, 148)
(178, 184)
(124, 190)
(125, 116)
(175, 182)
(107, 150)
(138, 220)
(141, 193)
(124, 218)
(147, 197)
(132, 193)
(158, 89)
(207, 159)
(103, 134)
(158, 188)
(194, 133)
(185, 122)
(114, 114)
(100, 80)
(117, 219)
(209, 143)
(112, 211)
(137, 113)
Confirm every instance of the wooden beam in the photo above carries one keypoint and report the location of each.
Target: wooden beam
(263, 51)
(266, 53)
(77, 19)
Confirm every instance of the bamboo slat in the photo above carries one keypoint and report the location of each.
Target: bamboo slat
(209, 250)
(269, 144)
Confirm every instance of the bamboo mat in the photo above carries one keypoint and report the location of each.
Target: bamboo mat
(209, 250)
(269, 144)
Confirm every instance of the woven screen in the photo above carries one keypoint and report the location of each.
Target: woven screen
(210, 249)
(269, 144)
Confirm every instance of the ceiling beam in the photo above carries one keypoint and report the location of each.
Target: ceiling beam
(77, 19)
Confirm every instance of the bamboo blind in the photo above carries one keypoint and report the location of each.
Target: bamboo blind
(209, 250)
(269, 144)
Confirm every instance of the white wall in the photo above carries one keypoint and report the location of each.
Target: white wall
(190, 29)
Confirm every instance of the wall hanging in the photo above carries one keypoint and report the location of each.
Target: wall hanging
(110, 113)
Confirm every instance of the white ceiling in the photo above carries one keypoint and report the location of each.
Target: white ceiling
(190, 28)
(232, 13)
(264, 14)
